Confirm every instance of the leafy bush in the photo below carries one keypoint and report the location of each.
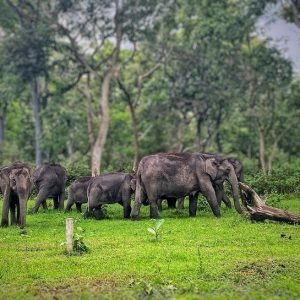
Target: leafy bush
(79, 246)
(283, 180)
(202, 204)
(76, 170)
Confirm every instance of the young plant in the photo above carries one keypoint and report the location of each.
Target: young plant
(78, 244)
(79, 247)
(156, 229)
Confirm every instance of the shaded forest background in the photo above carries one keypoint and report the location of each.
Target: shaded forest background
(96, 85)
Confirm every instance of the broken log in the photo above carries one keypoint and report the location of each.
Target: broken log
(259, 211)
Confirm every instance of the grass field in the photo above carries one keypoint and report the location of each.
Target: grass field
(196, 258)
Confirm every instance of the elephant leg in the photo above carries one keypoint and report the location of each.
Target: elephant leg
(44, 204)
(55, 202)
(126, 202)
(98, 213)
(126, 211)
(219, 193)
(209, 192)
(61, 199)
(193, 205)
(226, 200)
(41, 198)
(87, 214)
(159, 204)
(171, 203)
(78, 207)
(180, 203)
(13, 219)
(70, 203)
(5, 208)
(140, 197)
(153, 208)
(136, 209)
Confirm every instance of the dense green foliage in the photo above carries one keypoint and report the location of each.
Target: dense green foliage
(194, 258)
(195, 78)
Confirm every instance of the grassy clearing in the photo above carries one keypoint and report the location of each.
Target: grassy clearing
(195, 258)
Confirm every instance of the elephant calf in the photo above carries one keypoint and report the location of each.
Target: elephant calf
(50, 181)
(78, 193)
(107, 189)
(15, 185)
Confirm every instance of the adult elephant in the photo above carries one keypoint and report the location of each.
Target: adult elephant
(219, 188)
(50, 181)
(176, 175)
(107, 189)
(78, 193)
(15, 184)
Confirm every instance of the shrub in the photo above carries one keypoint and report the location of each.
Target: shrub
(283, 180)
(76, 170)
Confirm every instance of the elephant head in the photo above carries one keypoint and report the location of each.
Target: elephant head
(15, 180)
(220, 169)
(238, 168)
(20, 184)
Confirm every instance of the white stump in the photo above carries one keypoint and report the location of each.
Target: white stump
(69, 234)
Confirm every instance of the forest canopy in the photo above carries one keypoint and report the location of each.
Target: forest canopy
(100, 84)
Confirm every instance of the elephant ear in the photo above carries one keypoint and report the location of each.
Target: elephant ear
(211, 167)
(133, 184)
(4, 179)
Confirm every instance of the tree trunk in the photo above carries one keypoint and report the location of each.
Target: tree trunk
(259, 211)
(199, 122)
(219, 142)
(136, 143)
(2, 121)
(36, 108)
(98, 146)
(262, 158)
(2, 124)
(272, 155)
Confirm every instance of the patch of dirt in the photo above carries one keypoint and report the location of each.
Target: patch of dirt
(75, 289)
(259, 271)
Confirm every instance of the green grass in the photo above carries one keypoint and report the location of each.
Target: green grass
(196, 258)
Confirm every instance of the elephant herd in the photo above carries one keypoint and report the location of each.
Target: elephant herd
(163, 176)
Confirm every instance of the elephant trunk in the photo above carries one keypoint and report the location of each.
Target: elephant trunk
(23, 193)
(235, 190)
(241, 177)
(23, 209)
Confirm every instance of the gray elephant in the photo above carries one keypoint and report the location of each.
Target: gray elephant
(219, 188)
(15, 183)
(78, 193)
(107, 189)
(176, 175)
(239, 172)
(50, 181)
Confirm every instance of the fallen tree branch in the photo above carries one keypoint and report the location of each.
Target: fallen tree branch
(259, 211)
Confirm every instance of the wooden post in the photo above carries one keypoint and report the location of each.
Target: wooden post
(69, 234)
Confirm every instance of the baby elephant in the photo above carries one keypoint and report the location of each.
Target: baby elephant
(107, 189)
(77, 193)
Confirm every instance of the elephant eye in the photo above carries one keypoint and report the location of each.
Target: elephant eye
(14, 181)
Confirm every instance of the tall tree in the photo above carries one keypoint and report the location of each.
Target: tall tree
(27, 52)
(104, 26)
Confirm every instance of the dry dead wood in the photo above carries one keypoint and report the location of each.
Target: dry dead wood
(259, 211)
